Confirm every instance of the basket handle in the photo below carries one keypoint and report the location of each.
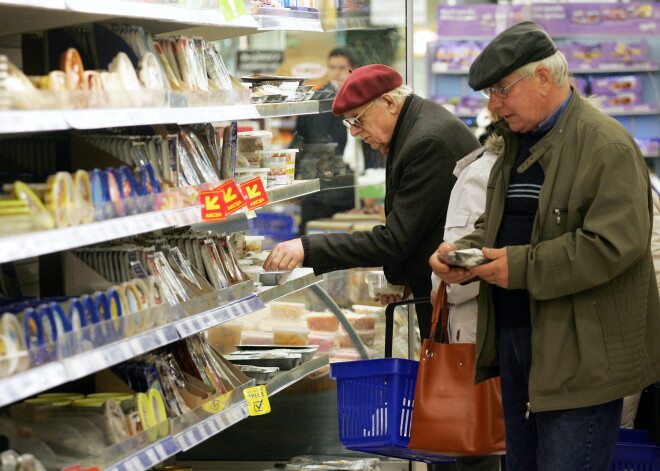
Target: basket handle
(389, 321)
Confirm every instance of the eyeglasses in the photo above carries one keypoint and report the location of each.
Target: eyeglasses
(349, 122)
(501, 92)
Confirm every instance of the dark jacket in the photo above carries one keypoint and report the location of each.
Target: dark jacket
(594, 304)
(428, 141)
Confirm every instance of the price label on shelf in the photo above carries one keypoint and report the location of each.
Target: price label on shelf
(211, 205)
(232, 9)
(255, 193)
(257, 400)
(232, 198)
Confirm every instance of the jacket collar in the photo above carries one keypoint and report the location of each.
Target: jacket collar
(403, 126)
(542, 147)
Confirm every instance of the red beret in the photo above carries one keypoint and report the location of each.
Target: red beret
(363, 85)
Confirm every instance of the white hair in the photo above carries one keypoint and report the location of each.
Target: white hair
(557, 65)
(399, 94)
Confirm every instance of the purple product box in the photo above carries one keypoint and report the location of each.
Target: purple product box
(621, 99)
(582, 55)
(616, 84)
(620, 52)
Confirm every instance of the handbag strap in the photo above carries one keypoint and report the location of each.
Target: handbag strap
(440, 315)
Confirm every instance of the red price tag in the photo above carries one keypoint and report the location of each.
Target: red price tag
(212, 209)
(232, 199)
(255, 193)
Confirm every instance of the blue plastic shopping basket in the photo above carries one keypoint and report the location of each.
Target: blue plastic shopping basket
(375, 400)
(635, 452)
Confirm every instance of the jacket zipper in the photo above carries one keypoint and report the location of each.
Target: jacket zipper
(557, 213)
(528, 411)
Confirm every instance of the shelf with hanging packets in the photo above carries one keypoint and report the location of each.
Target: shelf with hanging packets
(31, 15)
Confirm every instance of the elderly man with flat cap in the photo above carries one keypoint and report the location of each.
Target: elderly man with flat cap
(569, 315)
(422, 142)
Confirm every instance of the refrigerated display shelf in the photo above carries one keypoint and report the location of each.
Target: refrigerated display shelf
(32, 244)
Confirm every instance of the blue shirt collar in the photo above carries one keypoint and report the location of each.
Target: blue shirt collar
(550, 122)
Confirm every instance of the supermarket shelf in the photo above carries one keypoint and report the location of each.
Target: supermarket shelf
(204, 430)
(440, 68)
(279, 193)
(288, 20)
(272, 110)
(276, 193)
(652, 156)
(57, 120)
(30, 382)
(133, 455)
(147, 457)
(34, 15)
(219, 315)
(33, 244)
(184, 319)
(300, 278)
(640, 110)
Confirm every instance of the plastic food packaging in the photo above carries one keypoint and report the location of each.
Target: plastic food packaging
(244, 174)
(290, 335)
(253, 243)
(325, 340)
(467, 258)
(284, 310)
(256, 338)
(362, 321)
(249, 143)
(261, 374)
(368, 338)
(322, 321)
(282, 164)
(379, 286)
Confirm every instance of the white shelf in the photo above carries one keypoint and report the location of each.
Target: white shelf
(30, 382)
(213, 425)
(56, 120)
(184, 319)
(148, 457)
(33, 244)
(192, 428)
(299, 279)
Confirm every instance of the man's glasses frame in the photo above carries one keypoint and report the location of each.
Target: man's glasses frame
(350, 122)
(501, 92)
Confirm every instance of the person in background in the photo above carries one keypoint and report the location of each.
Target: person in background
(422, 142)
(568, 313)
(631, 403)
(466, 205)
(349, 155)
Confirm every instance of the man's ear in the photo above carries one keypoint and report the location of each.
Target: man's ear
(391, 104)
(545, 78)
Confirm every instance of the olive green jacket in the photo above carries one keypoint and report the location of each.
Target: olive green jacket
(595, 312)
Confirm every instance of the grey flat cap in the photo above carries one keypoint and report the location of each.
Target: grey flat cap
(514, 47)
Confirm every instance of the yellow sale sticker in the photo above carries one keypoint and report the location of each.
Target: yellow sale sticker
(257, 400)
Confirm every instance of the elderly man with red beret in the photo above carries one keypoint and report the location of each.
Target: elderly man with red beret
(422, 142)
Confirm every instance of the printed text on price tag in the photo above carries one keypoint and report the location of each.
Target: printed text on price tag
(255, 193)
(257, 400)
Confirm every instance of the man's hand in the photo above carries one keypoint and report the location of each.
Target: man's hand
(285, 256)
(495, 272)
(385, 300)
(450, 275)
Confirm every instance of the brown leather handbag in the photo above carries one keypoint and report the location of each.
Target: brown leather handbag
(452, 416)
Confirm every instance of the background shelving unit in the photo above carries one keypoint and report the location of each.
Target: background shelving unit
(641, 120)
